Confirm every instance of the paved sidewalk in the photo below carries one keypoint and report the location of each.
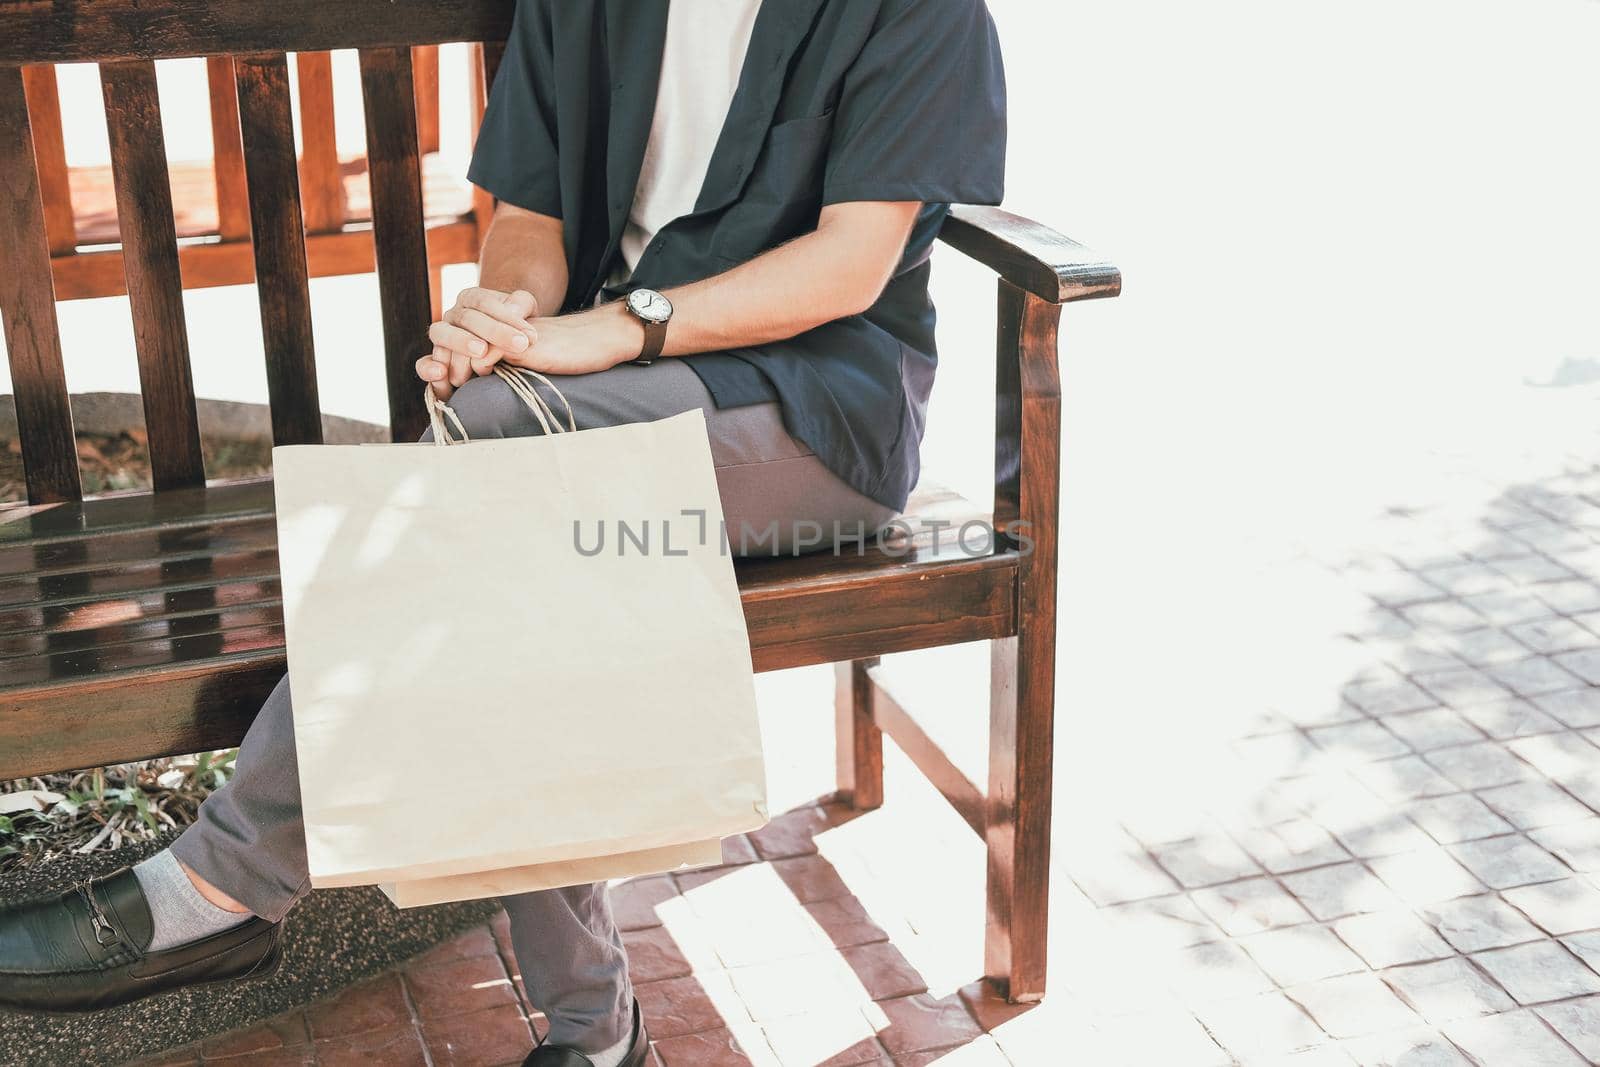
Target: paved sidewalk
(1404, 873)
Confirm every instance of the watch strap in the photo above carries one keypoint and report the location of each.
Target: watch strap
(655, 337)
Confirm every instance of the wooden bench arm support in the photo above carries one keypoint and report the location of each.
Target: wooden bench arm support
(1030, 255)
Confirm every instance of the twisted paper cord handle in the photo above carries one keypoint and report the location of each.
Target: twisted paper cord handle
(518, 379)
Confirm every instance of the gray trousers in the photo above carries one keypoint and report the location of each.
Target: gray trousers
(249, 840)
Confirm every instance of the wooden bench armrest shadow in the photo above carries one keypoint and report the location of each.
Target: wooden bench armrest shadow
(150, 624)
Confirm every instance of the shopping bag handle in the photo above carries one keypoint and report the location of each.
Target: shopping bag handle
(517, 379)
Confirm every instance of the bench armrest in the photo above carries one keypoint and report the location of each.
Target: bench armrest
(1030, 255)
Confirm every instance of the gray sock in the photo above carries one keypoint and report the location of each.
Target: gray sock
(180, 913)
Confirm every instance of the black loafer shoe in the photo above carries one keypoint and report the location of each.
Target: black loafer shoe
(88, 949)
(555, 1056)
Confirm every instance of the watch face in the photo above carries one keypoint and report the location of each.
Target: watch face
(650, 305)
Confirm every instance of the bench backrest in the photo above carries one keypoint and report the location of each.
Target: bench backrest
(125, 37)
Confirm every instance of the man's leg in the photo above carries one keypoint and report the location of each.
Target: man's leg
(249, 839)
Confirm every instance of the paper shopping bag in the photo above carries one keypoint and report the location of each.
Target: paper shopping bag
(514, 652)
(513, 880)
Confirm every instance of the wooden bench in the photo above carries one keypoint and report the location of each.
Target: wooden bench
(211, 209)
(142, 625)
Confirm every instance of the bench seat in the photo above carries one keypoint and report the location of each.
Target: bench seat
(160, 614)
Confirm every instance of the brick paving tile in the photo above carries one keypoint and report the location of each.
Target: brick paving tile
(1528, 805)
(1387, 696)
(376, 1004)
(1575, 844)
(1584, 663)
(1444, 615)
(397, 1046)
(1205, 860)
(1505, 862)
(654, 954)
(1538, 971)
(1578, 1021)
(1577, 708)
(1425, 876)
(1358, 742)
(1353, 1005)
(1343, 889)
(1558, 755)
(459, 986)
(478, 941)
(1249, 907)
(1488, 646)
(634, 902)
(1506, 719)
(990, 1009)
(285, 1031)
(738, 850)
(1534, 677)
(1552, 635)
(679, 1006)
(1472, 924)
(1436, 728)
(836, 1037)
(299, 1056)
(912, 1024)
(1480, 766)
(1116, 876)
(1267, 1025)
(1416, 1047)
(1570, 598)
(1300, 954)
(1447, 990)
(1515, 1038)
(1565, 907)
(1291, 845)
(1215, 970)
(1164, 1037)
(712, 1048)
(1507, 609)
(811, 878)
(1405, 778)
(794, 833)
(1458, 817)
(883, 972)
(983, 1052)
(1388, 938)
(845, 922)
(788, 987)
(495, 1035)
(1462, 688)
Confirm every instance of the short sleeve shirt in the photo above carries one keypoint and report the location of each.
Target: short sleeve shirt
(838, 100)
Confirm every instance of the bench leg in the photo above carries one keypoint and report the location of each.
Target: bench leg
(1021, 720)
(860, 742)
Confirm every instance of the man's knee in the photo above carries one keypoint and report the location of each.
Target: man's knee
(488, 408)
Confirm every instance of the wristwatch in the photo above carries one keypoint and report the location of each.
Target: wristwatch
(654, 311)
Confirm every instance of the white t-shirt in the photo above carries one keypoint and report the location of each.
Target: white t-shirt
(700, 64)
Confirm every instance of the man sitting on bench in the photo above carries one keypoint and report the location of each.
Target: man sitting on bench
(745, 228)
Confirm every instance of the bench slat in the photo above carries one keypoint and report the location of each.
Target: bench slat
(321, 184)
(267, 123)
(63, 31)
(227, 153)
(140, 607)
(50, 155)
(150, 262)
(398, 232)
(27, 303)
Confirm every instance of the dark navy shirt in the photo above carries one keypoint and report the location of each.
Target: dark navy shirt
(838, 100)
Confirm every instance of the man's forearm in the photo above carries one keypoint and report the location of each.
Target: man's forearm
(837, 270)
(524, 250)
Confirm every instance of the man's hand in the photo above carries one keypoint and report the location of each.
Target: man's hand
(484, 327)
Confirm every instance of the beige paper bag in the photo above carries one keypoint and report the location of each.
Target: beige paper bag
(486, 676)
(552, 875)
